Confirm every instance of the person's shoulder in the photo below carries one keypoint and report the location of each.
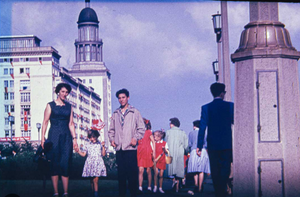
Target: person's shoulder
(133, 109)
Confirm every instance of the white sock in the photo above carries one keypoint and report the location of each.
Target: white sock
(149, 188)
(140, 188)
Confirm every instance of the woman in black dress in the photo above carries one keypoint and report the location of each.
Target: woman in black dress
(62, 135)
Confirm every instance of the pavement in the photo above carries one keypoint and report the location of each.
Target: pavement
(186, 190)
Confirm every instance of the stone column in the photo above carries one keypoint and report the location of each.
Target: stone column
(267, 108)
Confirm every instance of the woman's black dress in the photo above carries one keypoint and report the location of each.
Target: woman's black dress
(60, 135)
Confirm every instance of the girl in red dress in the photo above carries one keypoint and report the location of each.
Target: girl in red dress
(161, 147)
(145, 155)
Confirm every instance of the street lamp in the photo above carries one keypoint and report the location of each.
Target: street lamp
(217, 25)
(38, 126)
(11, 119)
(215, 66)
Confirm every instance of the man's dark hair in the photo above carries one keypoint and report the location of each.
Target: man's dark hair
(175, 122)
(196, 123)
(122, 91)
(93, 133)
(62, 85)
(216, 89)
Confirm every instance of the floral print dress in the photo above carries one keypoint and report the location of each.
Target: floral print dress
(94, 165)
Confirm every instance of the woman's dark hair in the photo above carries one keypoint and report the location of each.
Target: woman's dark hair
(93, 133)
(161, 133)
(175, 121)
(147, 124)
(196, 123)
(62, 85)
(122, 91)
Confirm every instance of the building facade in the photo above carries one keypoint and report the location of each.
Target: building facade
(29, 74)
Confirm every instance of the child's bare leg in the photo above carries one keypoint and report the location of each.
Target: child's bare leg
(196, 179)
(92, 184)
(201, 177)
(141, 172)
(155, 176)
(161, 178)
(55, 183)
(95, 180)
(149, 177)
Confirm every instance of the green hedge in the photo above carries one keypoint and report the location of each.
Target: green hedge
(22, 167)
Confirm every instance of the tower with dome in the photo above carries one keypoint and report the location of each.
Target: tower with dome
(89, 65)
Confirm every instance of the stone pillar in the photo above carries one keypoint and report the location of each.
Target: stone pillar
(267, 108)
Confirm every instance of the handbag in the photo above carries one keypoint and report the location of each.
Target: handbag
(169, 159)
(41, 154)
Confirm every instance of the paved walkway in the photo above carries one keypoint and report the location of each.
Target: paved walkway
(167, 187)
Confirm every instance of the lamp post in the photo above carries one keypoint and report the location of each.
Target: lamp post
(217, 24)
(215, 66)
(11, 119)
(38, 126)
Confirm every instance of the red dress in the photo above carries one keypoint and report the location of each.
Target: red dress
(161, 163)
(144, 151)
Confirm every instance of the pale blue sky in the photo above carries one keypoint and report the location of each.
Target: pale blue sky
(160, 51)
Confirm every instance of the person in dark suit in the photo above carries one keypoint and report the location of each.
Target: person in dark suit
(217, 117)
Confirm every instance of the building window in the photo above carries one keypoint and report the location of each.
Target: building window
(6, 108)
(6, 133)
(81, 53)
(11, 71)
(25, 97)
(83, 81)
(27, 59)
(12, 96)
(94, 53)
(26, 133)
(5, 96)
(24, 84)
(5, 72)
(28, 120)
(22, 59)
(21, 70)
(5, 83)
(27, 70)
(87, 53)
(6, 121)
(90, 80)
(25, 108)
(12, 108)
(5, 60)
(11, 83)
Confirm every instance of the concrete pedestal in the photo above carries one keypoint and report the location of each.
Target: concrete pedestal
(267, 108)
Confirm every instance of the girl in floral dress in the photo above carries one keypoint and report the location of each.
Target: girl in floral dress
(94, 166)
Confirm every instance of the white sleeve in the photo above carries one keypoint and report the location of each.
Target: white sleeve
(166, 146)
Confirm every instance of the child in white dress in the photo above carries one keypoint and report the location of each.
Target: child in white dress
(94, 166)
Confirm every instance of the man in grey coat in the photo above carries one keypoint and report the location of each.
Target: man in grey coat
(126, 128)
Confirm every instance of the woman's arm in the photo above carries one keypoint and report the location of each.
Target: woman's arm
(47, 114)
(82, 154)
(72, 130)
(153, 144)
(103, 149)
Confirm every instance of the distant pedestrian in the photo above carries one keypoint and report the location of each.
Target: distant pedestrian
(126, 128)
(178, 143)
(94, 166)
(161, 148)
(197, 165)
(146, 155)
(217, 117)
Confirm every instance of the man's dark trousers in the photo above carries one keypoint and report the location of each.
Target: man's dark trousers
(127, 170)
(220, 161)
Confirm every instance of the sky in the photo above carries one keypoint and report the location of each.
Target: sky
(161, 51)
